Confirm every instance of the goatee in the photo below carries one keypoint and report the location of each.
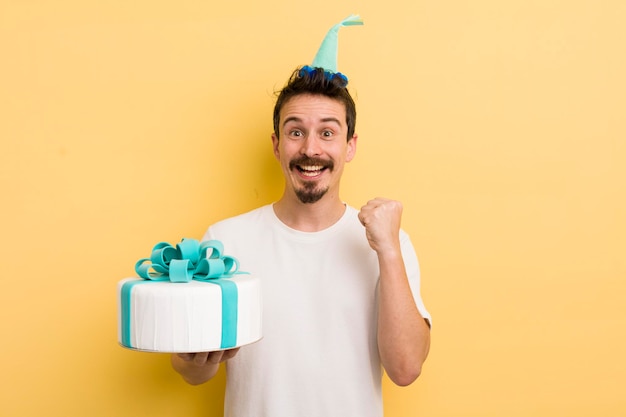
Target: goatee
(308, 194)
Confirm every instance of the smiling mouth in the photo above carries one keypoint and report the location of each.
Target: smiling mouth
(310, 170)
(309, 167)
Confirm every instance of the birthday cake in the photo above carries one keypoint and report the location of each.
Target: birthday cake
(188, 298)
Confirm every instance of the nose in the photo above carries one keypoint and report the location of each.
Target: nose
(311, 146)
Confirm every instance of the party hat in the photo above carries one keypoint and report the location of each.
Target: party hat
(327, 54)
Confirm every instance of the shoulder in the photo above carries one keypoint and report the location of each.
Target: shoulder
(239, 223)
(248, 217)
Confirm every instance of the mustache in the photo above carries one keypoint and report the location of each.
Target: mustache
(306, 160)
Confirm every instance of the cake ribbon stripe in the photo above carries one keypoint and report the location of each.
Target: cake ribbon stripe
(189, 260)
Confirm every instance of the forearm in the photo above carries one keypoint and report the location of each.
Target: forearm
(403, 334)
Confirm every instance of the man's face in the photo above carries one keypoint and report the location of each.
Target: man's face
(312, 146)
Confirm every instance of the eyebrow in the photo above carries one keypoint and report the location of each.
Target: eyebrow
(291, 119)
(325, 120)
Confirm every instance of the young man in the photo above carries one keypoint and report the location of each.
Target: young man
(340, 286)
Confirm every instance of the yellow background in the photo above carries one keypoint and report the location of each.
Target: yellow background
(499, 124)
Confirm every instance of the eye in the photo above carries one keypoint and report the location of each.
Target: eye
(327, 134)
(295, 133)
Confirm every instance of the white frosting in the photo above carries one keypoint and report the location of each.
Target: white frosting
(187, 317)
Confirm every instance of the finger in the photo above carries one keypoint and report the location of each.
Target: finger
(366, 212)
(200, 358)
(229, 354)
(186, 356)
(375, 202)
(361, 217)
(215, 357)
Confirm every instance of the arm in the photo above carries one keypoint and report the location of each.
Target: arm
(403, 334)
(198, 368)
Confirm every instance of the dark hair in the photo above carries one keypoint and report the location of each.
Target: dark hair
(317, 81)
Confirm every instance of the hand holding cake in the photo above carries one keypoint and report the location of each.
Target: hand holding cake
(197, 368)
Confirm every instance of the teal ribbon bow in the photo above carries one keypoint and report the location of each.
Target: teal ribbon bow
(189, 260)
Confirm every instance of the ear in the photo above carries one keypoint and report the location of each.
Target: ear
(351, 151)
(275, 145)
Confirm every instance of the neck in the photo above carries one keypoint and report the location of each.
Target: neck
(311, 217)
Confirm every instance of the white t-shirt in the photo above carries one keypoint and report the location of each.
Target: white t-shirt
(319, 354)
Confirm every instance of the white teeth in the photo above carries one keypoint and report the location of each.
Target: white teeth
(312, 168)
(311, 171)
